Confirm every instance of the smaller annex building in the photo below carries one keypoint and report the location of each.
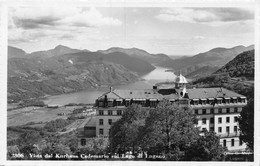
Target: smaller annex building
(217, 109)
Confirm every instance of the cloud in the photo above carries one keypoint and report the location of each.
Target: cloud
(205, 15)
(90, 18)
(35, 17)
(31, 23)
(19, 35)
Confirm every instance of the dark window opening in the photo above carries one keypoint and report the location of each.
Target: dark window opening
(101, 131)
(224, 143)
(227, 130)
(227, 119)
(119, 112)
(101, 122)
(204, 121)
(235, 119)
(220, 129)
(110, 112)
(83, 142)
(219, 120)
(211, 120)
(232, 142)
(101, 112)
(196, 112)
(228, 110)
(109, 121)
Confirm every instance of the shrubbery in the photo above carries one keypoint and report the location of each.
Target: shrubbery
(57, 124)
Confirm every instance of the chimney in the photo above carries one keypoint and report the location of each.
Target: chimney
(111, 89)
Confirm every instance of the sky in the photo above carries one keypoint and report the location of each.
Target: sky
(173, 31)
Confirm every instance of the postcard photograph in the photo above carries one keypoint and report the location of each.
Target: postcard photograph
(93, 83)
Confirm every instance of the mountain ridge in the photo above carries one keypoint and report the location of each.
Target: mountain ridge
(52, 72)
(63, 69)
(215, 58)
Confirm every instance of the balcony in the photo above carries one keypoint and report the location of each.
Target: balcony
(227, 135)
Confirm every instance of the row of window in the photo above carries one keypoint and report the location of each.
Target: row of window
(216, 101)
(227, 119)
(127, 103)
(227, 129)
(101, 122)
(204, 120)
(219, 111)
(220, 129)
(110, 112)
(232, 142)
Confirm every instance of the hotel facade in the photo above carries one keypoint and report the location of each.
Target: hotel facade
(217, 109)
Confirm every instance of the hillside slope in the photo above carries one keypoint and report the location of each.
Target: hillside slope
(210, 60)
(134, 64)
(241, 66)
(15, 52)
(236, 75)
(33, 76)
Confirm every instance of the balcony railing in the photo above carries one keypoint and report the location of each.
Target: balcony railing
(226, 135)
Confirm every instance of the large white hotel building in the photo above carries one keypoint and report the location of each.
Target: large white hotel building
(217, 109)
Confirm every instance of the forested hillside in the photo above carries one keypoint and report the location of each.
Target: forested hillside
(241, 66)
(236, 75)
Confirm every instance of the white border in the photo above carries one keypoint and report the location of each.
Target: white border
(120, 3)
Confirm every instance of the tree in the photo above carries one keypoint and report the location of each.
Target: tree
(56, 149)
(30, 137)
(124, 133)
(27, 142)
(246, 124)
(95, 146)
(206, 148)
(170, 129)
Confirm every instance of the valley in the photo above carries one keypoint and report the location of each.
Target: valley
(66, 71)
(51, 93)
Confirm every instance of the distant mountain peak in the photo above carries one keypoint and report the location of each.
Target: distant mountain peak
(15, 52)
(56, 51)
(61, 47)
(218, 49)
(129, 51)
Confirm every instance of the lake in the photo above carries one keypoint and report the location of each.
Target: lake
(159, 74)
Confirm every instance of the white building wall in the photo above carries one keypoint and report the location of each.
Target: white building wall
(232, 114)
(105, 118)
(200, 117)
(236, 146)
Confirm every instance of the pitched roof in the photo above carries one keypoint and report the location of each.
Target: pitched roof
(111, 95)
(144, 94)
(199, 93)
(203, 93)
(141, 94)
